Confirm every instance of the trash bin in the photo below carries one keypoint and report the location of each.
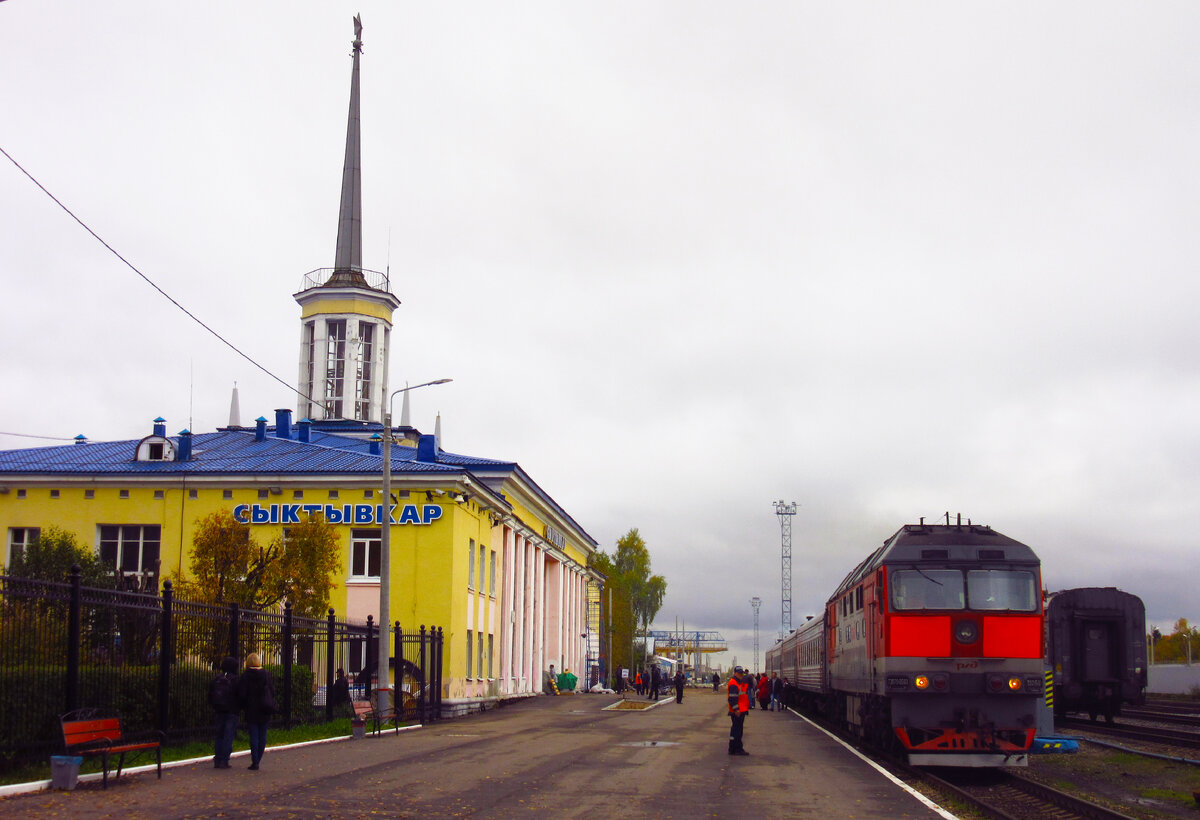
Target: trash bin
(64, 771)
(359, 727)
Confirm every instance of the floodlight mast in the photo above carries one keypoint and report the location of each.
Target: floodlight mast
(786, 512)
(755, 602)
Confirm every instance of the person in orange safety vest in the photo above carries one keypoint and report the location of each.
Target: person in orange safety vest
(739, 705)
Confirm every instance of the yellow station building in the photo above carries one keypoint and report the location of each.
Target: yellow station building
(477, 547)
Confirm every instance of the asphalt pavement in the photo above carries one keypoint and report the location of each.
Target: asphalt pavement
(563, 757)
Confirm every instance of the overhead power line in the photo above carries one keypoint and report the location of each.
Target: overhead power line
(151, 282)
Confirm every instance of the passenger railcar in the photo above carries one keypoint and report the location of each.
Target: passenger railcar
(932, 646)
(1096, 646)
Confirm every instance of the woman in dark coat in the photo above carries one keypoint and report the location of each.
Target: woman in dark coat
(256, 694)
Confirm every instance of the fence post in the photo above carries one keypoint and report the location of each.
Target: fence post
(235, 632)
(437, 667)
(329, 668)
(372, 652)
(424, 676)
(287, 664)
(74, 636)
(164, 658)
(398, 659)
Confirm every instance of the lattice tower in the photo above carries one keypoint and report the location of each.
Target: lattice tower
(755, 602)
(786, 512)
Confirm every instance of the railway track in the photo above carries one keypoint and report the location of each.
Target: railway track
(1005, 795)
(1145, 734)
(1162, 714)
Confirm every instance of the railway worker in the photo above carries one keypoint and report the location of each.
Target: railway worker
(739, 705)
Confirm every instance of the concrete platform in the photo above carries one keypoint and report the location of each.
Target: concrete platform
(562, 757)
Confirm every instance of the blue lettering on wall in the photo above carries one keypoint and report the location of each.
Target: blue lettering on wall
(357, 514)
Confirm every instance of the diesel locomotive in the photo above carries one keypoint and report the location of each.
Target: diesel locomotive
(931, 647)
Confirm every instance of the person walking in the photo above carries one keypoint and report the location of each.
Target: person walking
(222, 697)
(776, 692)
(716, 681)
(655, 682)
(764, 691)
(256, 695)
(752, 679)
(679, 679)
(739, 705)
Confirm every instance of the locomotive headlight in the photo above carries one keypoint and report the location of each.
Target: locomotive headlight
(921, 682)
(966, 632)
(1014, 684)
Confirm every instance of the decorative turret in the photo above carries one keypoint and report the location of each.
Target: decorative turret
(346, 311)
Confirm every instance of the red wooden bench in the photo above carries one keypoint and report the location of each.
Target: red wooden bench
(365, 710)
(88, 735)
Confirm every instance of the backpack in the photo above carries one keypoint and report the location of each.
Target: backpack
(221, 695)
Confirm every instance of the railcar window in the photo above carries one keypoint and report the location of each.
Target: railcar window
(927, 589)
(1006, 589)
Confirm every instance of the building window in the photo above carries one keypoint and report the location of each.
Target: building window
(471, 565)
(482, 550)
(492, 575)
(480, 650)
(54, 493)
(470, 651)
(92, 493)
(130, 548)
(362, 385)
(227, 494)
(297, 493)
(18, 539)
(193, 494)
(365, 551)
(263, 493)
(159, 494)
(335, 367)
(20, 493)
(489, 656)
(310, 337)
(155, 451)
(333, 494)
(124, 493)
(368, 493)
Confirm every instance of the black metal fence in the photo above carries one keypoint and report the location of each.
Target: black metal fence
(150, 658)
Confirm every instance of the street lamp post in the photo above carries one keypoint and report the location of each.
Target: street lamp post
(385, 552)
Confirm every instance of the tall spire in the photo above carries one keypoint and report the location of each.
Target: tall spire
(235, 410)
(347, 263)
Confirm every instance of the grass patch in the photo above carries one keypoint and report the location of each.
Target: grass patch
(1169, 796)
(339, 727)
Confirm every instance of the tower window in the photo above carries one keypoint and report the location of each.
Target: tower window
(335, 367)
(362, 386)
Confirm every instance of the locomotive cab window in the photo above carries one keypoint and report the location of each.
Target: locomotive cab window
(927, 589)
(992, 589)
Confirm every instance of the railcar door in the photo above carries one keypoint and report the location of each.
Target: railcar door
(1099, 657)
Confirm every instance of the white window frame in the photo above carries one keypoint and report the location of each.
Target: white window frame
(362, 543)
(27, 536)
(471, 566)
(124, 542)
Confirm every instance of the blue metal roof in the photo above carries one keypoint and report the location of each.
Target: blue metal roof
(224, 452)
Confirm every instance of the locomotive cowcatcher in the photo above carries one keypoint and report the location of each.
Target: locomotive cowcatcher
(932, 646)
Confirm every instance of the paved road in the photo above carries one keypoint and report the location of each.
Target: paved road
(563, 757)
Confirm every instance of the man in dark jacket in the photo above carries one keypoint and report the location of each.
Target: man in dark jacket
(222, 697)
(776, 692)
(655, 682)
(256, 694)
(679, 679)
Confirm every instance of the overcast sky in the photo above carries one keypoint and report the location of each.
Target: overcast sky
(680, 259)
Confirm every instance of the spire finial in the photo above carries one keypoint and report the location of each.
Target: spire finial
(347, 262)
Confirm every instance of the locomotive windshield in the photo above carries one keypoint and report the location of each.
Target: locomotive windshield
(1002, 589)
(979, 589)
(927, 589)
